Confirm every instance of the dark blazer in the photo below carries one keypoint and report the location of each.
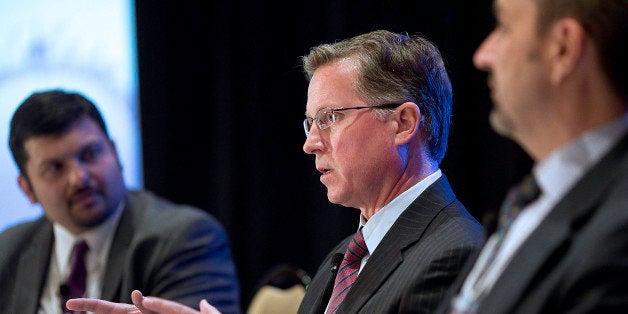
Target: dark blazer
(576, 261)
(163, 249)
(415, 263)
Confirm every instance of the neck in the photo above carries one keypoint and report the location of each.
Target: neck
(414, 172)
(580, 106)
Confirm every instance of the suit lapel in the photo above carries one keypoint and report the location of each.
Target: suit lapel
(535, 253)
(319, 286)
(540, 253)
(313, 304)
(408, 229)
(457, 284)
(117, 254)
(32, 269)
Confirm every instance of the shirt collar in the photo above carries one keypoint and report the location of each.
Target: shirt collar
(376, 228)
(96, 239)
(562, 169)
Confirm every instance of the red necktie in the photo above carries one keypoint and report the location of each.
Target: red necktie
(76, 282)
(348, 272)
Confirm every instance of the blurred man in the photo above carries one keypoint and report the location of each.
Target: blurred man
(377, 121)
(124, 239)
(557, 73)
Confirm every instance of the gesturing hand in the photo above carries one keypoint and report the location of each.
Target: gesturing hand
(141, 304)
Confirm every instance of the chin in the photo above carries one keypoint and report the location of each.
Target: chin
(500, 123)
(334, 197)
(94, 218)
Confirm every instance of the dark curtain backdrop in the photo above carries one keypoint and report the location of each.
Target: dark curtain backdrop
(223, 98)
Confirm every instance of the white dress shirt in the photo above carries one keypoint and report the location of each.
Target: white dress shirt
(376, 228)
(99, 241)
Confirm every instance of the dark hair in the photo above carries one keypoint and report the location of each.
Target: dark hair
(606, 21)
(396, 68)
(49, 112)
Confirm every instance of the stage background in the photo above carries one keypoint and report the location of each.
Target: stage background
(222, 104)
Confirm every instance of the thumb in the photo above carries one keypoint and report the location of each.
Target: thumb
(206, 308)
(137, 297)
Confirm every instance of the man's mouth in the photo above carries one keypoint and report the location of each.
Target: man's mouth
(84, 197)
(323, 170)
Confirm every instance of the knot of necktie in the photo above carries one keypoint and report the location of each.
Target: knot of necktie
(357, 248)
(518, 197)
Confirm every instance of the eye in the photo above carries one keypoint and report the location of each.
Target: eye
(326, 119)
(500, 25)
(52, 169)
(91, 153)
(330, 117)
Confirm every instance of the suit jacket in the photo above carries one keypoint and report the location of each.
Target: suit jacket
(163, 249)
(415, 263)
(576, 261)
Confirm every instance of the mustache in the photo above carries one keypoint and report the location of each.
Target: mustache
(490, 78)
(84, 190)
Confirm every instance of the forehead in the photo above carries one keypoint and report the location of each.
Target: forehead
(79, 134)
(509, 9)
(333, 85)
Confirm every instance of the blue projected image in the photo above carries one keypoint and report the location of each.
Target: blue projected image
(85, 46)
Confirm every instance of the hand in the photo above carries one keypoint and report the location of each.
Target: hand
(155, 305)
(101, 306)
(143, 305)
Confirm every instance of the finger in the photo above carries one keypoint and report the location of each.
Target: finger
(100, 306)
(206, 308)
(137, 298)
(164, 306)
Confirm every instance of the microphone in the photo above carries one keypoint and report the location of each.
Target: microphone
(335, 263)
(64, 291)
(329, 287)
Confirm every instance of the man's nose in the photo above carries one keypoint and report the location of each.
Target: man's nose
(313, 141)
(485, 54)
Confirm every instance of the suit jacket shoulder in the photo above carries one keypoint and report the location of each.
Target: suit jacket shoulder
(24, 265)
(170, 250)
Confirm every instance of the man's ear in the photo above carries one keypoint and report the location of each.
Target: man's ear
(25, 185)
(566, 39)
(114, 149)
(408, 117)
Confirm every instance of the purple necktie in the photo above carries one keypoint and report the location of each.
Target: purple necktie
(348, 272)
(75, 285)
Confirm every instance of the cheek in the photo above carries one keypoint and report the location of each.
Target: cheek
(362, 154)
(49, 195)
(108, 172)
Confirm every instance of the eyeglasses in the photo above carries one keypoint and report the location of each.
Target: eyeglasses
(325, 117)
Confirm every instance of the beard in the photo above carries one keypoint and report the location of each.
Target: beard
(501, 124)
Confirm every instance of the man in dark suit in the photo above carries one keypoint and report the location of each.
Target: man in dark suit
(135, 239)
(558, 82)
(377, 121)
